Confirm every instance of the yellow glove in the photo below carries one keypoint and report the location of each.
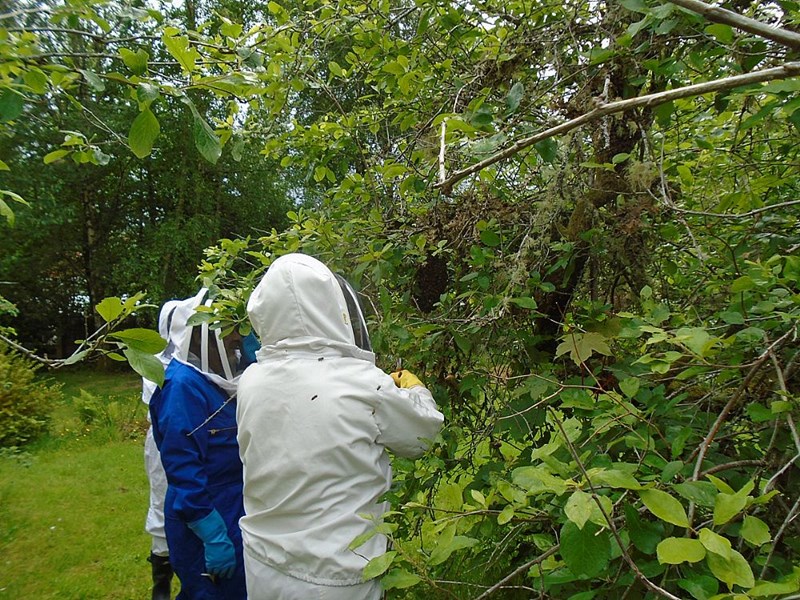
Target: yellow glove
(405, 379)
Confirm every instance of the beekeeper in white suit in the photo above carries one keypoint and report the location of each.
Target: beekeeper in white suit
(154, 523)
(315, 418)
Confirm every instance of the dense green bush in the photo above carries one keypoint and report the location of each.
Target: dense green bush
(25, 403)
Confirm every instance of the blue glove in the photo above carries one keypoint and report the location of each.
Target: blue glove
(250, 345)
(220, 554)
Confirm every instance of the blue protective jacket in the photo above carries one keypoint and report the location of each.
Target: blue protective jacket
(204, 472)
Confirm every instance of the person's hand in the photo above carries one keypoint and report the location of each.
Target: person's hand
(219, 552)
(405, 379)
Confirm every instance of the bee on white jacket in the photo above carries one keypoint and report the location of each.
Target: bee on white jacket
(315, 417)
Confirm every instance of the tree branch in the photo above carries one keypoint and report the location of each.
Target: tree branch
(790, 69)
(727, 17)
(745, 215)
(521, 569)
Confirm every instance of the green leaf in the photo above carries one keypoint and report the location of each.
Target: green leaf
(759, 413)
(146, 93)
(742, 284)
(586, 551)
(335, 68)
(755, 531)
(723, 33)
(547, 149)
(144, 340)
(694, 338)
(629, 386)
(231, 30)
(93, 80)
(699, 492)
(36, 80)
(732, 317)
(645, 534)
(109, 309)
(638, 6)
(490, 238)
(378, 565)
(787, 585)
(362, 539)
(665, 507)
(11, 105)
(537, 480)
(77, 357)
(674, 551)
(505, 515)
(399, 579)
(205, 140)
(720, 485)
(179, 48)
(5, 209)
(581, 346)
(135, 61)
(713, 542)
(55, 155)
(143, 133)
(701, 587)
(443, 550)
(728, 506)
(514, 97)
(734, 570)
(146, 365)
(579, 508)
(528, 303)
(616, 479)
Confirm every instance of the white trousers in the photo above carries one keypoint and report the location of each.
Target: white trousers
(266, 583)
(154, 524)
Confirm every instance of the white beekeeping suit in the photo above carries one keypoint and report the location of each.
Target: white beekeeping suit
(154, 523)
(315, 418)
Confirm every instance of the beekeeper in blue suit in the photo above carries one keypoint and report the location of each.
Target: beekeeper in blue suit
(315, 418)
(194, 426)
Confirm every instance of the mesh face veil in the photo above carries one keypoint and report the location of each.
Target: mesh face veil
(357, 321)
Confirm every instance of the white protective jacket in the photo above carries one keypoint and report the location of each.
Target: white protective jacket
(315, 417)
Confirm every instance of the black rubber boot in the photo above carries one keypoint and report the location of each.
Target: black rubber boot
(162, 576)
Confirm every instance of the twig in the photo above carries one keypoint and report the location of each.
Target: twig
(704, 446)
(789, 518)
(517, 571)
(56, 363)
(733, 465)
(702, 449)
(751, 213)
(789, 421)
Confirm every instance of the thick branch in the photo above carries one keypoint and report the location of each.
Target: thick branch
(791, 69)
(727, 17)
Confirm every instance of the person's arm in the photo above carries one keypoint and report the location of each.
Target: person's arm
(406, 415)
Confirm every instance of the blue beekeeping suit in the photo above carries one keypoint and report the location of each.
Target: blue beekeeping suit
(194, 425)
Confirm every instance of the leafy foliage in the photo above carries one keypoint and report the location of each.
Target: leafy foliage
(25, 403)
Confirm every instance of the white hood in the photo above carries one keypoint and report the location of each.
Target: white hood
(164, 319)
(300, 300)
(179, 338)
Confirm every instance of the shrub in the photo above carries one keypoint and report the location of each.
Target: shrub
(25, 403)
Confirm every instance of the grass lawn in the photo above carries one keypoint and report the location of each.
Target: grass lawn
(72, 506)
